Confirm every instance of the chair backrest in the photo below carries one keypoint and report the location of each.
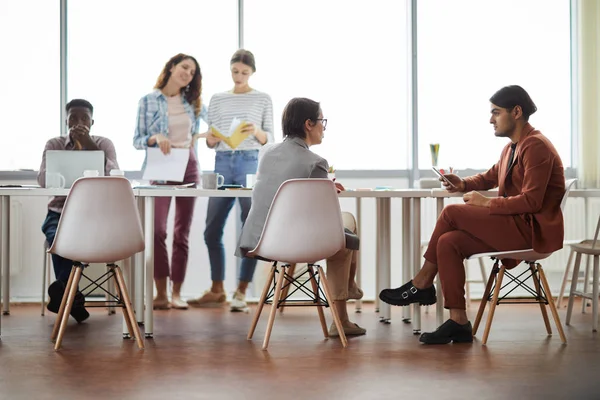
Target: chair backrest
(568, 185)
(304, 223)
(100, 222)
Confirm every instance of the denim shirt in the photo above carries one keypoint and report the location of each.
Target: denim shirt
(153, 118)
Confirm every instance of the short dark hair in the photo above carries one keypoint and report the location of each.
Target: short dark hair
(245, 57)
(80, 103)
(295, 114)
(514, 95)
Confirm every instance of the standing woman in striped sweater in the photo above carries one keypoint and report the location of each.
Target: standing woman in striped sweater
(256, 109)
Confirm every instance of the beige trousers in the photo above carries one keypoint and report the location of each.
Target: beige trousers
(341, 267)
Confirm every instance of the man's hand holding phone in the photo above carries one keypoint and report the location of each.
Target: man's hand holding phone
(452, 183)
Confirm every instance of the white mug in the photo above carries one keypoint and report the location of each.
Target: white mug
(55, 180)
(116, 172)
(212, 180)
(90, 173)
(250, 180)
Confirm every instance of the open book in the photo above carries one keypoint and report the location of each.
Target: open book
(234, 137)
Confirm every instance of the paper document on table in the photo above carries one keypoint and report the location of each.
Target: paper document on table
(234, 136)
(170, 167)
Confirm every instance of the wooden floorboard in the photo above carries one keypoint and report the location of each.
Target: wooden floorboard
(204, 354)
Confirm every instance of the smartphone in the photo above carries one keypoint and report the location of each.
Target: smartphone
(438, 173)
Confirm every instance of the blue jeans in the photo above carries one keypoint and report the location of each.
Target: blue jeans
(62, 266)
(233, 165)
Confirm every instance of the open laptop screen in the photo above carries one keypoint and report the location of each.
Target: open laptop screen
(71, 164)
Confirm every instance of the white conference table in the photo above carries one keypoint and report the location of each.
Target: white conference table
(143, 289)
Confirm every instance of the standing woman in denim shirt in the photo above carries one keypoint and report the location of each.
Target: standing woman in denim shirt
(169, 117)
(256, 110)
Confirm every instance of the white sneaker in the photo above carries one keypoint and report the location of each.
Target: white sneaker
(238, 302)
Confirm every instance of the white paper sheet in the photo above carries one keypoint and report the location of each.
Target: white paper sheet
(170, 167)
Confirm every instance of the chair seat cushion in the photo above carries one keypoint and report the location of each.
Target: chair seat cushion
(352, 240)
(585, 247)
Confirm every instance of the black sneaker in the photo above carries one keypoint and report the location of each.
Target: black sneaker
(449, 331)
(56, 291)
(408, 294)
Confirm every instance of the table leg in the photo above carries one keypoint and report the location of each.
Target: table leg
(358, 303)
(416, 257)
(384, 254)
(149, 239)
(127, 268)
(5, 256)
(439, 306)
(138, 269)
(406, 251)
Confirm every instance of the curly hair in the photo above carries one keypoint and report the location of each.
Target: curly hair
(191, 92)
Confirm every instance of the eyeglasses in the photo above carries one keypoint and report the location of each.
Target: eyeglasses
(323, 121)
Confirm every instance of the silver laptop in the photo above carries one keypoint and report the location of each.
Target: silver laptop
(71, 164)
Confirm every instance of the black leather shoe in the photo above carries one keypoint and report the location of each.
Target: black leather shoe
(56, 291)
(449, 331)
(408, 294)
(78, 310)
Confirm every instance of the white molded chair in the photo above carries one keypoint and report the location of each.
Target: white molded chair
(304, 225)
(591, 248)
(46, 280)
(99, 224)
(541, 291)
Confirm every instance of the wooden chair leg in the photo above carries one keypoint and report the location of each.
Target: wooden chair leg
(70, 292)
(484, 299)
(315, 288)
(130, 330)
(586, 283)
(595, 294)
(573, 287)
(563, 285)
(286, 289)
(551, 304)
(261, 302)
(128, 307)
(493, 305)
(536, 283)
(61, 310)
(334, 314)
(273, 312)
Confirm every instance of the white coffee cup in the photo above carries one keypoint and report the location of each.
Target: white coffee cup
(250, 180)
(117, 172)
(91, 173)
(55, 180)
(212, 180)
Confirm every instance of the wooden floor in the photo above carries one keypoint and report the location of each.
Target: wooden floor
(204, 354)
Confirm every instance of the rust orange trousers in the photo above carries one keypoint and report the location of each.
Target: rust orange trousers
(463, 230)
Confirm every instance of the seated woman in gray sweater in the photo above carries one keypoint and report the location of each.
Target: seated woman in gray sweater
(303, 126)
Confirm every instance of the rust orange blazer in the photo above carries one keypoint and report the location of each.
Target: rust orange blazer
(531, 188)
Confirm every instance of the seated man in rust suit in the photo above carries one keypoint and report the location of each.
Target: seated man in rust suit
(526, 214)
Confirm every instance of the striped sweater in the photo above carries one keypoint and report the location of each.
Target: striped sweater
(254, 106)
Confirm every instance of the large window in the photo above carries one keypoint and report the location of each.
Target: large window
(117, 50)
(352, 57)
(30, 67)
(468, 49)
